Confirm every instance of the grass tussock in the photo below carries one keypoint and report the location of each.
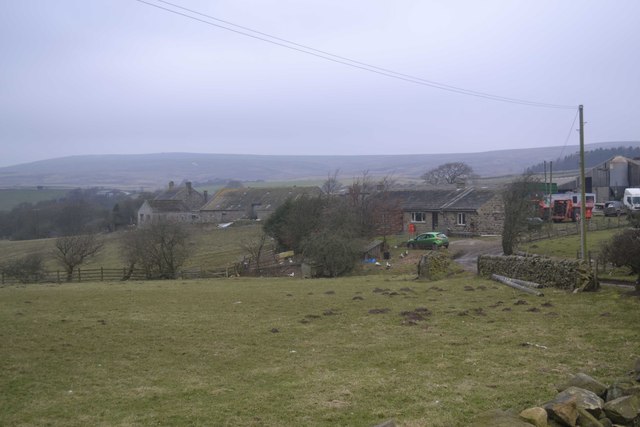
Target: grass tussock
(352, 351)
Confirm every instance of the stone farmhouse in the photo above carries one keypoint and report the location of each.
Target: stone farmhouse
(231, 204)
(465, 211)
(176, 203)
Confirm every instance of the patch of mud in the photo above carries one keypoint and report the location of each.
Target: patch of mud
(379, 310)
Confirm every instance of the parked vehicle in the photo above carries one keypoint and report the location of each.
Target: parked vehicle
(631, 199)
(430, 240)
(613, 208)
(563, 210)
(566, 206)
(598, 209)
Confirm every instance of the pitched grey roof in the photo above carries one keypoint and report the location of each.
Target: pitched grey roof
(465, 199)
(161, 206)
(241, 199)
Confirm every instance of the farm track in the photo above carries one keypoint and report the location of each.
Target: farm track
(471, 248)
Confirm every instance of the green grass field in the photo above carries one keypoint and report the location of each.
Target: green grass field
(569, 246)
(273, 352)
(10, 198)
(211, 248)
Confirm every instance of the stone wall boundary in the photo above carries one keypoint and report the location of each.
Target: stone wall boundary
(561, 274)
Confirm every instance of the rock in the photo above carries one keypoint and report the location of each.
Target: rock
(621, 388)
(563, 408)
(499, 418)
(623, 409)
(585, 399)
(536, 416)
(606, 422)
(585, 419)
(586, 382)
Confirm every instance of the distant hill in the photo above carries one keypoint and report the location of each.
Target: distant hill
(591, 158)
(155, 170)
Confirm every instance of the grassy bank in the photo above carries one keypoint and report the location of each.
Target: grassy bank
(298, 352)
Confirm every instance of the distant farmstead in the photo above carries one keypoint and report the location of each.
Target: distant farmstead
(175, 204)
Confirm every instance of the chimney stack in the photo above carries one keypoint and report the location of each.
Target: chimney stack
(205, 193)
(188, 184)
(171, 184)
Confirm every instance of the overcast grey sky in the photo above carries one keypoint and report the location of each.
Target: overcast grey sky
(120, 76)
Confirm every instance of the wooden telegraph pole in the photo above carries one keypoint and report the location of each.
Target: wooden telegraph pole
(583, 201)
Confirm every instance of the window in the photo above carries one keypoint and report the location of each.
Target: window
(417, 216)
(462, 219)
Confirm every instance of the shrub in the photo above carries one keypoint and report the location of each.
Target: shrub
(332, 254)
(27, 269)
(622, 251)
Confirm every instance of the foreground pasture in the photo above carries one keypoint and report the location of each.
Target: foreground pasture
(353, 351)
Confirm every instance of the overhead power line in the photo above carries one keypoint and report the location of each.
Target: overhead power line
(248, 32)
(571, 129)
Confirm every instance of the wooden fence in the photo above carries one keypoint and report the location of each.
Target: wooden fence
(111, 275)
(551, 230)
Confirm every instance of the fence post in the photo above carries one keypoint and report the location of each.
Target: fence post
(3, 277)
(58, 274)
(79, 276)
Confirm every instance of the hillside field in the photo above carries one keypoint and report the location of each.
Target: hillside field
(269, 352)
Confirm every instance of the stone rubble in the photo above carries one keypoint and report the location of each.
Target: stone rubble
(582, 401)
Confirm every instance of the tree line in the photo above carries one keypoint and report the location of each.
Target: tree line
(79, 211)
(592, 158)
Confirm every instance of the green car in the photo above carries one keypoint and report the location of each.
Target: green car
(432, 240)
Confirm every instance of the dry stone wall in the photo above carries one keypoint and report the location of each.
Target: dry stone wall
(562, 274)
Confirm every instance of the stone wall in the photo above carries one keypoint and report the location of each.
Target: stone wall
(563, 274)
(434, 265)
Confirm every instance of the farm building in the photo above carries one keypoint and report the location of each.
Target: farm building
(609, 179)
(467, 211)
(231, 204)
(176, 203)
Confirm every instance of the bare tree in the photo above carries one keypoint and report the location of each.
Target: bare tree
(160, 249)
(447, 173)
(517, 208)
(72, 251)
(332, 186)
(255, 248)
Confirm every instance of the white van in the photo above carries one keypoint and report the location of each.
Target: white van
(631, 199)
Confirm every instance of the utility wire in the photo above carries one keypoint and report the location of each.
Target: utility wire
(344, 60)
(566, 141)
